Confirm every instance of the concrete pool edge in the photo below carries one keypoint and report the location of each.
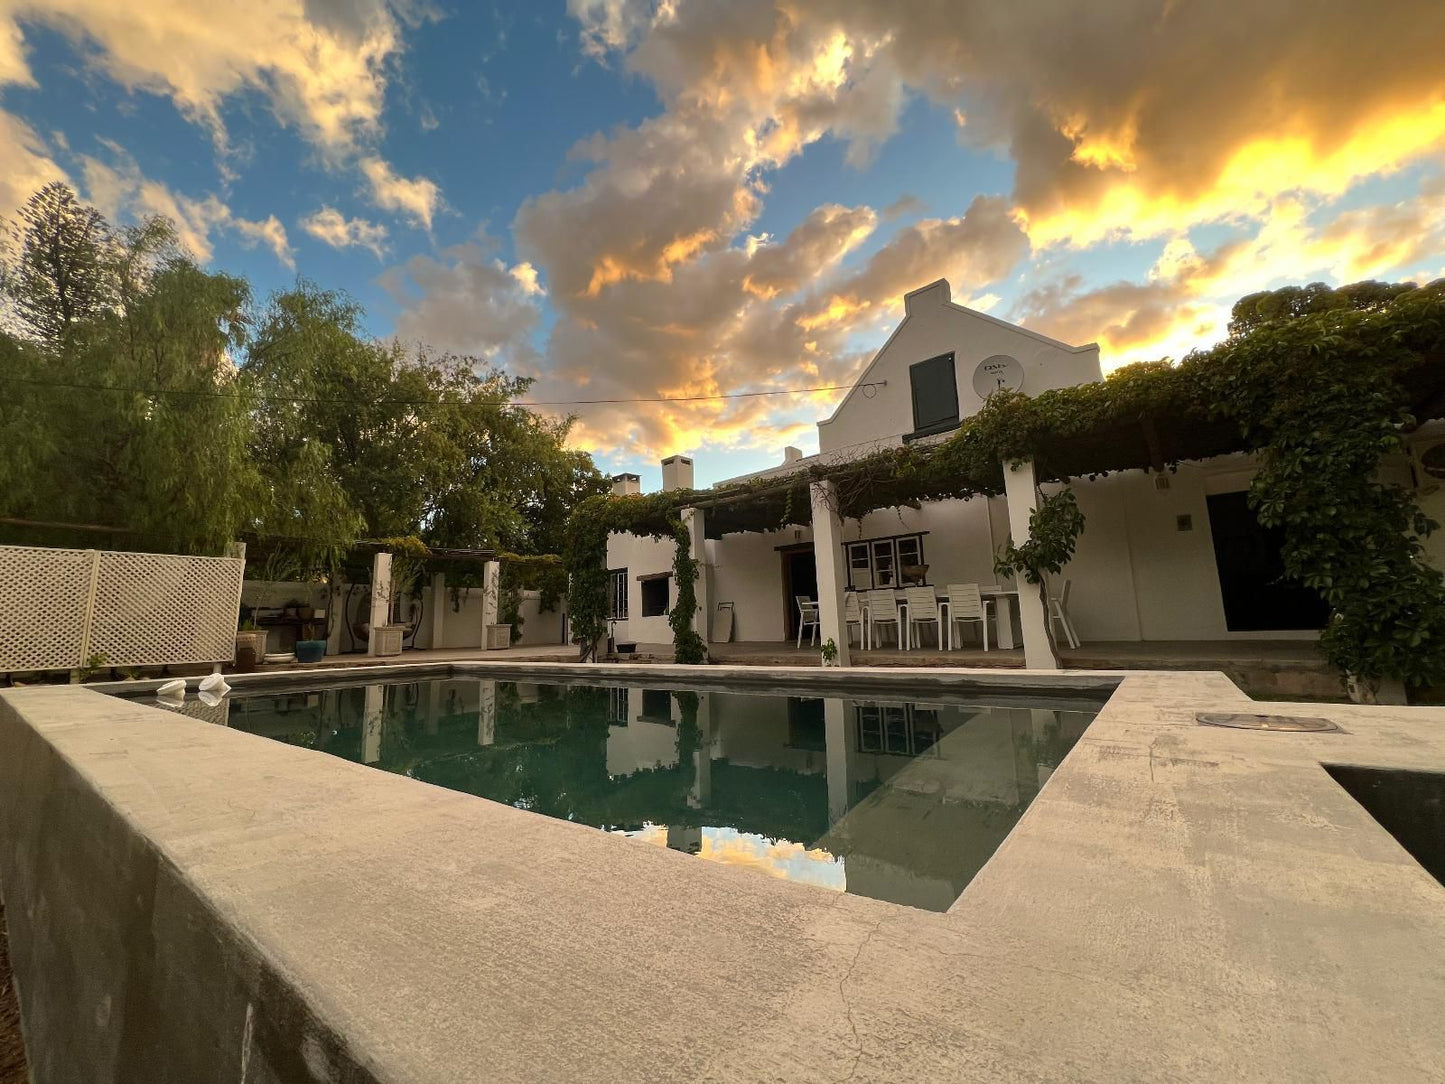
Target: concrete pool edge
(1106, 937)
(1097, 682)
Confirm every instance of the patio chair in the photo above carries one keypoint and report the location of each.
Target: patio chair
(883, 610)
(966, 604)
(1059, 613)
(922, 608)
(807, 616)
(853, 615)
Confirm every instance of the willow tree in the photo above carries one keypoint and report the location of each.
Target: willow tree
(123, 407)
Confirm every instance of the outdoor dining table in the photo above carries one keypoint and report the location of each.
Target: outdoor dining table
(1005, 599)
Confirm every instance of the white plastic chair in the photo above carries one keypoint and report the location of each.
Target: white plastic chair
(922, 608)
(1059, 613)
(807, 616)
(883, 610)
(966, 604)
(853, 615)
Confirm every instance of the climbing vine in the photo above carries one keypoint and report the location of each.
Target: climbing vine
(1054, 529)
(1320, 397)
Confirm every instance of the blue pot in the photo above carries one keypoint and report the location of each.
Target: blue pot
(310, 650)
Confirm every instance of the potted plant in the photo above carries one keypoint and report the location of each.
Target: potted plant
(829, 652)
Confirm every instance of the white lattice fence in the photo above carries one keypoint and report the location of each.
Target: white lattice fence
(61, 608)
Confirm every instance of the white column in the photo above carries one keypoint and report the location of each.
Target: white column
(1022, 496)
(380, 597)
(438, 609)
(696, 522)
(491, 595)
(701, 793)
(373, 711)
(828, 554)
(487, 712)
(835, 723)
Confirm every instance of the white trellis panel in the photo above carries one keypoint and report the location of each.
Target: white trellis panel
(61, 608)
(44, 599)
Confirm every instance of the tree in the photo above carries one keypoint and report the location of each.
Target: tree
(1257, 310)
(126, 410)
(58, 269)
(421, 444)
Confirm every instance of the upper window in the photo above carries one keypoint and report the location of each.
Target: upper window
(617, 593)
(654, 596)
(935, 395)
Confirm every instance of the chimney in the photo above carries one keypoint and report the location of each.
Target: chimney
(676, 472)
(623, 484)
(791, 455)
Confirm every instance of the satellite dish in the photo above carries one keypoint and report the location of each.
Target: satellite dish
(999, 372)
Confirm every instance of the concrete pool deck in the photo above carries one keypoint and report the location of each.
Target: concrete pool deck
(1179, 902)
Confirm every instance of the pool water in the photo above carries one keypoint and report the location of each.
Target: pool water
(901, 801)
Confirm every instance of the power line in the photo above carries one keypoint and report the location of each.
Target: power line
(319, 400)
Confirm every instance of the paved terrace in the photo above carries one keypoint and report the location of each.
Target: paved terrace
(1180, 902)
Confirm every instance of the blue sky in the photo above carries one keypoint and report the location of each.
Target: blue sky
(629, 199)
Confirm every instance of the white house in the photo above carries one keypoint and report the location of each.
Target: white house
(1163, 557)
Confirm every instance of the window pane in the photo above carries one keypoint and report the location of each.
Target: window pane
(935, 393)
(883, 563)
(654, 597)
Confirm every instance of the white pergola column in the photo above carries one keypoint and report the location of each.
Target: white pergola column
(696, 521)
(491, 595)
(372, 713)
(1022, 494)
(438, 609)
(380, 598)
(486, 712)
(835, 722)
(828, 555)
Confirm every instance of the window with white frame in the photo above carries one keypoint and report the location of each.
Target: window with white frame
(617, 593)
(878, 562)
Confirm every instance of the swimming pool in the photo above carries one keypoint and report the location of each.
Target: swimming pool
(901, 800)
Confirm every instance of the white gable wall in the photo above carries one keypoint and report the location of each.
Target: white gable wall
(933, 325)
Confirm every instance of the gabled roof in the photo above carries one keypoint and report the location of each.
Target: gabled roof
(948, 302)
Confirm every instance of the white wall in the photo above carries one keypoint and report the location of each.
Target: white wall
(642, 556)
(747, 570)
(933, 325)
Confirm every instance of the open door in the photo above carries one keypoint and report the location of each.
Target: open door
(1257, 598)
(800, 577)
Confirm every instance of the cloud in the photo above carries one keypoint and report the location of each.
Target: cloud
(25, 163)
(322, 67)
(121, 190)
(1187, 296)
(828, 234)
(467, 301)
(1133, 119)
(335, 229)
(415, 198)
(13, 66)
(978, 247)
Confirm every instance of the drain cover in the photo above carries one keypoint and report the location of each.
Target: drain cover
(1295, 723)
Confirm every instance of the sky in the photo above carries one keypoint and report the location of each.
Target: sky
(630, 199)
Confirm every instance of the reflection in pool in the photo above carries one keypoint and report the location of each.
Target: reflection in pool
(899, 801)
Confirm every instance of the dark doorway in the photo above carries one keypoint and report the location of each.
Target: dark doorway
(800, 577)
(1256, 596)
